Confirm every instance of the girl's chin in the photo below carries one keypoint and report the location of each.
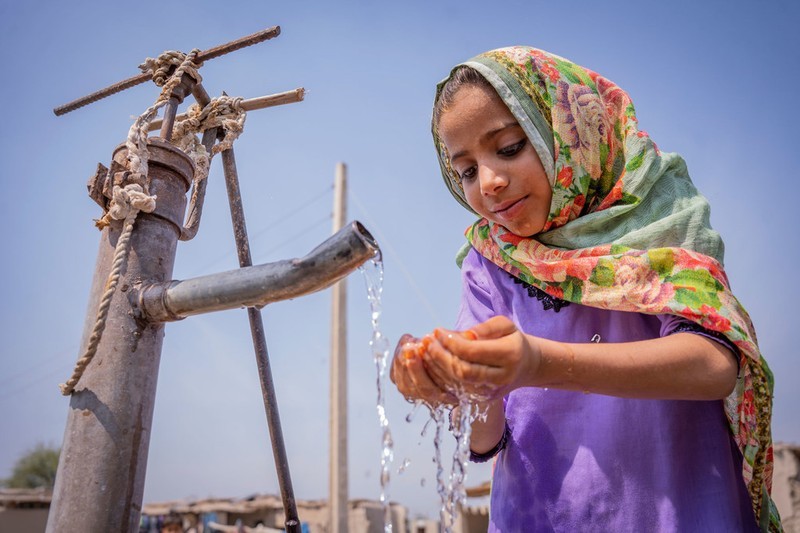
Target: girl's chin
(524, 233)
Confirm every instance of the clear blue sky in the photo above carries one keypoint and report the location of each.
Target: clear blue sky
(715, 81)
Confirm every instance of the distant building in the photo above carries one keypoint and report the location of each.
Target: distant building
(786, 485)
(265, 513)
(26, 510)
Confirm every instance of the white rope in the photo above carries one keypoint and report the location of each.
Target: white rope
(128, 201)
(224, 112)
(120, 255)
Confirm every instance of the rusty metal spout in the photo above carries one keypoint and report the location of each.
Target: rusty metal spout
(259, 285)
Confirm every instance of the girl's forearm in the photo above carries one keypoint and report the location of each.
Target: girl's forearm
(487, 433)
(682, 366)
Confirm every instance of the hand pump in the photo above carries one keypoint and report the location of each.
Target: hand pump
(100, 480)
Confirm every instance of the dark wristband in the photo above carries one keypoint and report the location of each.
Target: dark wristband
(483, 457)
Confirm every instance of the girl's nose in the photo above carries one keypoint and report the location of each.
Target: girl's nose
(491, 182)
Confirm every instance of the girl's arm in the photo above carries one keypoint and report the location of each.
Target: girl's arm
(682, 366)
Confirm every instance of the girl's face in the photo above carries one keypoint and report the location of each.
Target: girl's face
(502, 176)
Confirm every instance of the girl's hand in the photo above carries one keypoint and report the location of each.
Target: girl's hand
(409, 374)
(500, 359)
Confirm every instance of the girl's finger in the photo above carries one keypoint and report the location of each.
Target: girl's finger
(447, 367)
(398, 354)
(458, 376)
(424, 386)
(471, 362)
(480, 352)
(494, 328)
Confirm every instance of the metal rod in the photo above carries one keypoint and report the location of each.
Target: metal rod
(292, 520)
(211, 53)
(261, 102)
(201, 96)
(170, 110)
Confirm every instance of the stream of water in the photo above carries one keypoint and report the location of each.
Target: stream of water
(450, 485)
(379, 344)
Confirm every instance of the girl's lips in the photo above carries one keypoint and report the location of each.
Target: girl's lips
(510, 209)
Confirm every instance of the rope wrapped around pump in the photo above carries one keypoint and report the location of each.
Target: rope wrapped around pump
(224, 112)
(128, 200)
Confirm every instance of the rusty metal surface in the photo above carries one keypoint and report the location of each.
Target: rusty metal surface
(97, 186)
(201, 96)
(170, 172)
(243, 42)
(211, 53)
(100, 479)
(180, 92)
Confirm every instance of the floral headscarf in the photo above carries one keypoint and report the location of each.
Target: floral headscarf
(626, 231)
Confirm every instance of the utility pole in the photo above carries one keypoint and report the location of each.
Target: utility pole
(338, 409)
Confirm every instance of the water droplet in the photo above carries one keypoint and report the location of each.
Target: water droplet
(404, 466)
(425, 428)
(413, 412)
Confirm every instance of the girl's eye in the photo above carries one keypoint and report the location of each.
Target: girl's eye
(512, 149)
(468, 174)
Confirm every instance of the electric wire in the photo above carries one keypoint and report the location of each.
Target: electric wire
(25, 386)
(35, 366)
(297, 235)
(387, 246)
(8, 387)
(275, 222)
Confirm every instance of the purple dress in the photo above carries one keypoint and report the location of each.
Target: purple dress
(588, 462)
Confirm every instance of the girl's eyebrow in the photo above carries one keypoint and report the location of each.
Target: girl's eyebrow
(487, 136)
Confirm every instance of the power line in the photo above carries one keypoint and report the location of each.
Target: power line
(275, 222)
(36, 365)
(58, 370)
(386, 245)
(295, 236)
(288, 214)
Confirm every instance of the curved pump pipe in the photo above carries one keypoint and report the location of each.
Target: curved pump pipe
(259, 285)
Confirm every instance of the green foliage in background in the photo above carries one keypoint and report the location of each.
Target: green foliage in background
(36, 468)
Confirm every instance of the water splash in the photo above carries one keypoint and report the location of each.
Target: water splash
(451, 486)
(379, 344)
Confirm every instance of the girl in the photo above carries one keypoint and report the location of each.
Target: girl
(597, 326)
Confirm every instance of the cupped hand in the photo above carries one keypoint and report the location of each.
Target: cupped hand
(409, 374)
(488, 363)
